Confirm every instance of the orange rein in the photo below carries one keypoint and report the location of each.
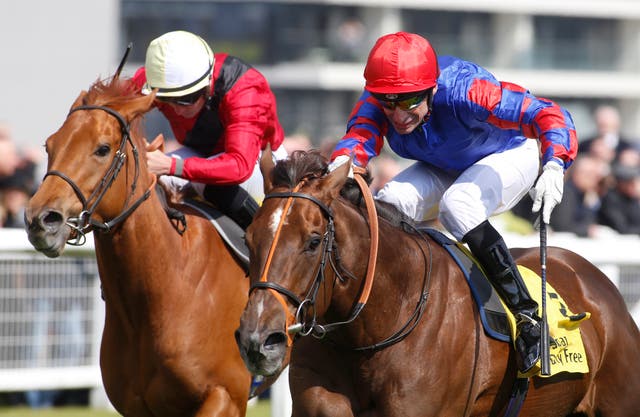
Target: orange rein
(290, 317)
(373, 230)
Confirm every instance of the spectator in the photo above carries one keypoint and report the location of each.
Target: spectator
(383, 169)
(348, 41)
(17, 179)
(326, 146)
(9, 158)
(15, 191)
(629, 157)
(296, 142)
(608, 142)
(578, 210)
(620, 207)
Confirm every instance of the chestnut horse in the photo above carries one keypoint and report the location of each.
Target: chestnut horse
(309, 247)
(172, 300)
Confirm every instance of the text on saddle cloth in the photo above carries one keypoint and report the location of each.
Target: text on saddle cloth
(566, 352)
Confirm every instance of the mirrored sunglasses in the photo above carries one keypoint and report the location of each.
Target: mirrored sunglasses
(405, 104)
(187, 100)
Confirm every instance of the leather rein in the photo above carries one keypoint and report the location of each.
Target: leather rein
(84, 223)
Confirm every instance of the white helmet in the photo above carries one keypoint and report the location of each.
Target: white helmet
(177, 64)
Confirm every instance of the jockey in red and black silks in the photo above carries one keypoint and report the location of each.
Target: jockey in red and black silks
(224, 114)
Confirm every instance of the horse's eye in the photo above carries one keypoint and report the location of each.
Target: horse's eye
(102, 150)
(313, 243)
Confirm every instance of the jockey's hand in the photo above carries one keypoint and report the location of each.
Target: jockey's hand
(339, 161)
(158, 163)
(548, 189)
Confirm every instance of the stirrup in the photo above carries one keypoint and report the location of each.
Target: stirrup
(526, 318)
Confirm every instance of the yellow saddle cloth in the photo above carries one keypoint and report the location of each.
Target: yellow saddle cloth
(566, 352)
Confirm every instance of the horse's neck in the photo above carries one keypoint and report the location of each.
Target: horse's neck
(404, 271)
(134, 251)
(353, 237)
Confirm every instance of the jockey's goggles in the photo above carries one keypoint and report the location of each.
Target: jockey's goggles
(188, 100)
(404, 102)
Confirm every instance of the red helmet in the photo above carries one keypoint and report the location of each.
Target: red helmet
(401, 63)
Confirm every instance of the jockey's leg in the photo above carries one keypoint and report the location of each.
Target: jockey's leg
(491, 251)
(491, 186)
(234, 201)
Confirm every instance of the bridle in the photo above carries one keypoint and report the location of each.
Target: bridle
(84, 221)
(298, 324)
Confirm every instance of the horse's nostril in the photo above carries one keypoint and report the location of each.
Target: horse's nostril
(275, 339)
(51, 218)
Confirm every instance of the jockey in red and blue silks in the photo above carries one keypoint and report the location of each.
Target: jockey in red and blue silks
(473, 140)
(472, 115)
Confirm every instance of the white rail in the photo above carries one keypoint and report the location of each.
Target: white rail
(51, 313)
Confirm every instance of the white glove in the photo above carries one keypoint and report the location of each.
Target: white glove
(339, 161)
(548, 189)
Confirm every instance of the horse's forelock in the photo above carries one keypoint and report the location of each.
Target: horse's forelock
(298, 166)
(111, 91)
(115, 93)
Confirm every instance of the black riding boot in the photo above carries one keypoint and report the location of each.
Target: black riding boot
(234, 201)
(491, 251)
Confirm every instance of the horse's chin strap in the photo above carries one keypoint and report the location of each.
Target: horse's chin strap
(82, 224)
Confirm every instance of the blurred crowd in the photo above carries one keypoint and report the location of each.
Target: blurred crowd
(18, 168)
(602, 188)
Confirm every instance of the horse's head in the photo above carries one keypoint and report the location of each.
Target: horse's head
(291, 244)
(94, 172)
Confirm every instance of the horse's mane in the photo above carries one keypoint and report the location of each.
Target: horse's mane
(112, 91)
(312, 164)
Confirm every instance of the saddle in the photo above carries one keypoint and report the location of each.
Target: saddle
(230, 232)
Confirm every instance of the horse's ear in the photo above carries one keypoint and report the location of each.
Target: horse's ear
(335, 180)
(140, 105)
(266, 166)
(157, 143)
(79, 100)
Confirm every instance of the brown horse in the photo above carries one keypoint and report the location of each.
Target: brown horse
(172, 300)
(309, 245)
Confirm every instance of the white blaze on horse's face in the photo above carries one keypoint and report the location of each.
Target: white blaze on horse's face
(276, 217)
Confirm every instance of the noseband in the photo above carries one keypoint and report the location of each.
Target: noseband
(84, 221)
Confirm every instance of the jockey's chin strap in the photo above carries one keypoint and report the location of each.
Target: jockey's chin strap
(82, 224)
(296, 324)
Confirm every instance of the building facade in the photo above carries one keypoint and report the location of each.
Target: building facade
(579, 53)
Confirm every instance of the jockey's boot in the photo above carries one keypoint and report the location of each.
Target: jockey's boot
(234, 201)
(489, 248)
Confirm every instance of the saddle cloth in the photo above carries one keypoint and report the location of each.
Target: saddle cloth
(566, 350)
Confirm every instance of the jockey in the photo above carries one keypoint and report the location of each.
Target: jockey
(224, 113)
(469, 134)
